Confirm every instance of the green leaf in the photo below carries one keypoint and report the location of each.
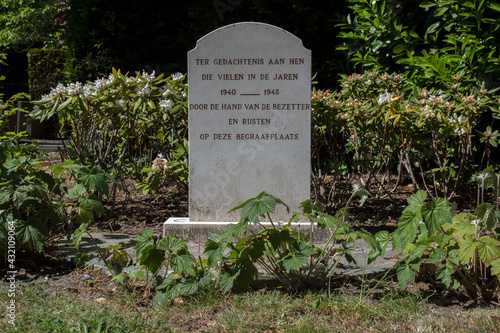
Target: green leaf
(407, 228)
(143, 239)
(172, 243)
(188, 287)
(495, 267)
(461, 224)
(77, 191)
(93, 203)
(93, 179)
(417, 200)
(78, 233)
(161, 298)
(85, 214)
(227, 279)
(405, 271)
(494, 5)
(382, 237)
(370, 239)
(58, 169)
(398, 49)
(485, 212)
(152, 258)
(467, 246)
(309, 206)
(31, 232)
(14, 164)
(294, 261)
(436, 213)
(6, 193)
(444, 273)
(183, 263)
(21, 195)
(488, 249)
(214, 251)
(437, 255)
(261, 205)
(427, 4)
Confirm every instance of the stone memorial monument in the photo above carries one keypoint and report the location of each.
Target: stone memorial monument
(249, 120)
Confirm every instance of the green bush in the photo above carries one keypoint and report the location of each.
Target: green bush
(459, 251)
(380, 125)
(45, 70)
(36, 205)
(120, 123)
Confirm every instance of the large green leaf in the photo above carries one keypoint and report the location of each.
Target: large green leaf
(495, 267)
(21, 194)
(227, 279)
(437, 255)
(261, 205)
(304, 248)
(58, 169)
(436, 213)
(152, 258)
(161, 298)
(14, 164)
(407, 227)
(444, 273)
(31, 233)
(94, 203)
(370, 239)
(93, 179)
(417, 200)
(382, 237)
(188, 286)
(143, 239)
(405, 271)
(214, 251)
(494, 5)
(485, 212)
(461, 224)
(467, 246)
(183, 263)
(85, 214)
(78, 233)
(172, 243)
(6, 193)
(488, 249)
(294, 261)
(77, 191)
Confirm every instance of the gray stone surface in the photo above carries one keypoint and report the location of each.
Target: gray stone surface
(249, 120)
(359, 250)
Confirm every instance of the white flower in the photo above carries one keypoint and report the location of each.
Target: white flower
(167, 104)
(177, 76)
(385, 98)
(159, 164)
(101, 84)
(148, 77)
(75, 89)
(167, 92)
(476, 222)
(58, 91)
(144, 91)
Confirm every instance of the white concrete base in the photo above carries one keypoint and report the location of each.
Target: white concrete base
(192, 231)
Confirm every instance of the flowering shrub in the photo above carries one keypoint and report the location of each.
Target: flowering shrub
(120, 122)
(379, 124)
